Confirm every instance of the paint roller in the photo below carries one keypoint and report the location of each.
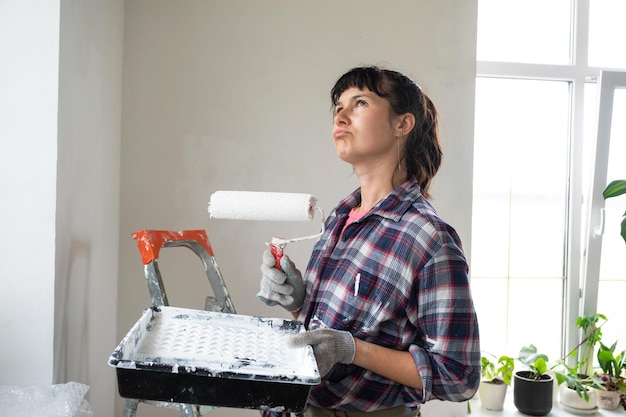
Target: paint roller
(266, 206)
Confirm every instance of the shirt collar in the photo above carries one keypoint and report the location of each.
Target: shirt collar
(392, 207)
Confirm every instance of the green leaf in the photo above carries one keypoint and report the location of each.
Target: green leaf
(536, 362)
(540, 365)
(503, 370)
(615, 188)
(507, 366)
(488, 369)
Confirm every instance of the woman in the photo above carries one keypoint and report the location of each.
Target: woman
(385, 297)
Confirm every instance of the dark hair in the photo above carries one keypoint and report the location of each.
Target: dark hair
(423, 152)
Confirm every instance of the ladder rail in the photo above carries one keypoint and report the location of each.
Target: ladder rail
(150, 242)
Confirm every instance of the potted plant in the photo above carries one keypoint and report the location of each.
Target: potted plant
(532, 387)
(496, 377)
(576, 390)
(592, 334)
(615, 188)
(612, 377)
(574, 382)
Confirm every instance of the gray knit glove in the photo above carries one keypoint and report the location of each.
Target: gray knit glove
(329, 346)
(278, 287)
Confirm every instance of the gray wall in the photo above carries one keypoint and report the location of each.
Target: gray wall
(234, 95)
(87, 213)
(208, 95)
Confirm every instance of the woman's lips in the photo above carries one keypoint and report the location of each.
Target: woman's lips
(339, 133)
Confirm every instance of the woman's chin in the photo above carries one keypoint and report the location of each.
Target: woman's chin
(342, 153)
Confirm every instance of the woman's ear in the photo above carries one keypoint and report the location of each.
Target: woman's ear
(407, 123)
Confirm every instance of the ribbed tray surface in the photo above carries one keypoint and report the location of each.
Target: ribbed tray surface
(216, 340)
(216, 344)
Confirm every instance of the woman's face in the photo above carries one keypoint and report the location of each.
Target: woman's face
(365, 129)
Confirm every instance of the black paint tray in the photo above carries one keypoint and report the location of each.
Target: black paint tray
(227, 360)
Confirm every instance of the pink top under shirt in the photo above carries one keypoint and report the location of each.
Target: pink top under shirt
(352, 217)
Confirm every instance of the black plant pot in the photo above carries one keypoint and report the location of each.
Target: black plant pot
(532, 396)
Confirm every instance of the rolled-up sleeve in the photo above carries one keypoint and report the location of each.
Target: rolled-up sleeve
(448, 357)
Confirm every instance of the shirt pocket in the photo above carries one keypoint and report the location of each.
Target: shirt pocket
(368, 305)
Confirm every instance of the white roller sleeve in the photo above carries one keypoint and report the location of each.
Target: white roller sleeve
(255, 205)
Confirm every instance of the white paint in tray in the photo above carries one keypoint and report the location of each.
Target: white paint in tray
(216, 344)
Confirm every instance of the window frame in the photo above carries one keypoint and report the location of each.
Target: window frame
(608, 82)
(577, 74)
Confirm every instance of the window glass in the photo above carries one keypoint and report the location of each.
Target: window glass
(612, 275)
(526, 31)
(607, 33)
(519, 208)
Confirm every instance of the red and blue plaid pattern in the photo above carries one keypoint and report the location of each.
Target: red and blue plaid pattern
(397, 277)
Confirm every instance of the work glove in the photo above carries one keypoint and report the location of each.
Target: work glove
(329, 347)
(278, 287)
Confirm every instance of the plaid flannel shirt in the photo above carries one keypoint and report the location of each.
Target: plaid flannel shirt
(397, 277)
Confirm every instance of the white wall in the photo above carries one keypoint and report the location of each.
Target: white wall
(29, 46)
(89, 137)
(235, 95)
(60, 123)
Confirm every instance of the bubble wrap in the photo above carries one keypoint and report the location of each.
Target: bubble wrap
(61, 400)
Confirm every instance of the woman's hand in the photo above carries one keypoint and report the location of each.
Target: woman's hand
(329, 346)
(278, 287)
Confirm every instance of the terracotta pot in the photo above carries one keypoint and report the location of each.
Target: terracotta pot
(532, 396)
(608, 400)
(492, 394)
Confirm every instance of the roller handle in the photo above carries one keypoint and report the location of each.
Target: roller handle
(277, 250)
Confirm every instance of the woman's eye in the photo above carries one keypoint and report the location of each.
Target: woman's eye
(361, 103)
(337, 110)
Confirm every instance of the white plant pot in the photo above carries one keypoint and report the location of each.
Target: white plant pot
(571, 401)
(492, 395)
(608, 400)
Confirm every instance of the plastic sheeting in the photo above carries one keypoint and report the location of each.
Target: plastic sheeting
(62, 400)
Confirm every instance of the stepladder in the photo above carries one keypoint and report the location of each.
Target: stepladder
(150, 243)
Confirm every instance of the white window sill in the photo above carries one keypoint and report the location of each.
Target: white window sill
(509, 410)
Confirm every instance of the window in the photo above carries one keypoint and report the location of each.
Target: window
(533, 269)
(605, 265)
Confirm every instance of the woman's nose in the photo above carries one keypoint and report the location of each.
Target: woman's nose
(341, 117)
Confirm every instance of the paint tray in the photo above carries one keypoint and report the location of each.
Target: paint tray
(208, 358)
